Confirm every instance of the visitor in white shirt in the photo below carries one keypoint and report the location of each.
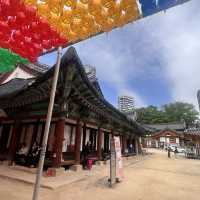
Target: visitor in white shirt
(21, 154)
(23, 150)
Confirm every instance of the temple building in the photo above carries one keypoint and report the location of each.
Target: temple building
(165, 134)
(80, 115)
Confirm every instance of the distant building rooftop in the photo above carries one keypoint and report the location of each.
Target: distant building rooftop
(177, 126)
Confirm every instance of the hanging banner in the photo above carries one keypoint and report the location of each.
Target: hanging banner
(119, 163)
(116, 164)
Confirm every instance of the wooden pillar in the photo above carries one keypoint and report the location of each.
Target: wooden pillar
(14, 140)
(122, 144)
(84, 135)
(99, 143)
(78, 142)
(58, 142)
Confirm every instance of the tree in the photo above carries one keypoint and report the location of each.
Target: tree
(173, 112)
(181, 111)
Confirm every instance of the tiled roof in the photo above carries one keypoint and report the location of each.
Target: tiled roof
(171, 126)
(192, 131)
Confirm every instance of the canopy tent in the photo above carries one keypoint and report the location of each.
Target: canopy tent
(31, 28)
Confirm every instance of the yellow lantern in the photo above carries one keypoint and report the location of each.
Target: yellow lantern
(30, 2)
(84, 33)
(70, 3)
(54, 19)
(88, 21)
(76, 25)
(66, 17)
(72, 36)
(131, 13)
(94, 7)
(127, 3)
(64, 28)
(108, 25)
(80, 10)
(43, 9)
(121, 21)
(108, 3)
(85, 1)
(55, 6)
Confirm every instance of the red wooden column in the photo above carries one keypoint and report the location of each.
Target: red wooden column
(14, 139)
(78, 142)
(99, 143)
(58, 143)
(122, 144)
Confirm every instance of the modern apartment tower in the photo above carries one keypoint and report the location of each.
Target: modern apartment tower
(126, 104)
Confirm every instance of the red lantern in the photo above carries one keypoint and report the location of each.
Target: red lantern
(36, 38)
(30, 13)
(46, 44)
(37, 48)
(20, 18)
(17, 36)
(4, 27)
(43, 25)
(12, 22)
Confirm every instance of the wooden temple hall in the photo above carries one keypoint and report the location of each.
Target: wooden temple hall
(80, 115)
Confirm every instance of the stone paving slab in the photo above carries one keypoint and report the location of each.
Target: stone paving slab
(47, 182)
(68, 177)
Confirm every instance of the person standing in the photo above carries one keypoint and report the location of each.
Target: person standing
(175, 152)
(168, 152)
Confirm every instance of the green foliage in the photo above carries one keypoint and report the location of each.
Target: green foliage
(8, 60)
(173, 112)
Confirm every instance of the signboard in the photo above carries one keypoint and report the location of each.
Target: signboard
(112, 162)
(119, 163)
(116, 166)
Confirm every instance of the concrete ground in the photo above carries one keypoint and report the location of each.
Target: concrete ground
(153, 177)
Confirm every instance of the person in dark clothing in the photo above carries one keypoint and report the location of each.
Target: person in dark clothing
(85, 153)
(168, 151)
(175, 152)
(33, 156)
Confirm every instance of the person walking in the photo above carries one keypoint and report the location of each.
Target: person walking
(168, 152)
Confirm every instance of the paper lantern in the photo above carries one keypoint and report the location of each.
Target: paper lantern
(70, 3)
(30, 2)
(94, 7)
(85, 1)
(46, 44)
(108, 3)
(66, 17)
(43, 10)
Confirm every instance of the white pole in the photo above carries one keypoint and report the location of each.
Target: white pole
(47, 125)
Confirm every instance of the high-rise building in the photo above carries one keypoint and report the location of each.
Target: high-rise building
(126, 104)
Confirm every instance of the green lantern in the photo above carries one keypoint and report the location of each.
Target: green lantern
(8, 60)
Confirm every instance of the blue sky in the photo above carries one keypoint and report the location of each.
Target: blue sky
(155, 59)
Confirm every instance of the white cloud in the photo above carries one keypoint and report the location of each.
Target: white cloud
(179, 37)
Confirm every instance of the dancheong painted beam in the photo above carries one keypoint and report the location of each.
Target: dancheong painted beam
(32, 27)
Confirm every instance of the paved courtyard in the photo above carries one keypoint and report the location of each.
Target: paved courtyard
(153, 177)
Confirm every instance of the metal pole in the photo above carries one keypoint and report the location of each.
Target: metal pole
(47, 125)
